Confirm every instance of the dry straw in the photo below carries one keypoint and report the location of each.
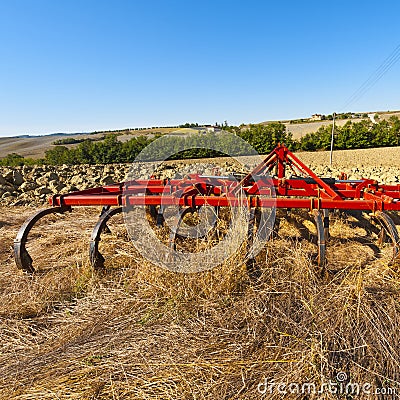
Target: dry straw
(136, 331)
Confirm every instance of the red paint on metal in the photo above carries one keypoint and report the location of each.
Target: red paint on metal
(304, 190)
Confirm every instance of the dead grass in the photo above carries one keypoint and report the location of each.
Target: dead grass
(136, 331)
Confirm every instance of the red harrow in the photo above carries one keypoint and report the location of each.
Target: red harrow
(268, 186)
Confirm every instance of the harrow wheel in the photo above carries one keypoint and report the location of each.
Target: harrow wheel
(22, 257)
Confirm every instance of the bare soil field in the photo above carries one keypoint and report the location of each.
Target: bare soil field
(377, 157)
(136, 331)
(301, 129)
(384, 156)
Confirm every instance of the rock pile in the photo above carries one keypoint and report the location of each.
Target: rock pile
(32, 185)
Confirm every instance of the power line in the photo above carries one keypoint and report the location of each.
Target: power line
(374, 77)
(388, 63)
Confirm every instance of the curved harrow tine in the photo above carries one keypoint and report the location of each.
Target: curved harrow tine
(326, 223)
(106, 229)
(319, 222)
(389, 229)
(174, 230)
(275, 228)
(22, 257)
(259, 230)
(250, 231)
(96, 258)
(153, 212)
(160, 216)
(251, 265)
(211, 221)
(157, 214)
(198, 232)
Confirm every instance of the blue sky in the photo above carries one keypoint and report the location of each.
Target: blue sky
(78, 66)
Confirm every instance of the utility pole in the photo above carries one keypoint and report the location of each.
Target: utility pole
(333, 132)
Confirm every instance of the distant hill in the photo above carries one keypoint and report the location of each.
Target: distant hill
(34, 146)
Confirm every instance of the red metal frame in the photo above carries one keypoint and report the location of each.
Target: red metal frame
(266, 186)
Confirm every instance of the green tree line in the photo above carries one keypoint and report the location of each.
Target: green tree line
(354, 135)
(72, 140)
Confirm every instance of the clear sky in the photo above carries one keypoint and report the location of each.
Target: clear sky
(85, 65)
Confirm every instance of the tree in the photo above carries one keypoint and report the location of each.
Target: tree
(12, 160)
(265, 137)
(395, 129)
(57, 156)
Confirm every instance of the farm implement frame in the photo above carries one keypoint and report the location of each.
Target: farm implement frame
(281, 181)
